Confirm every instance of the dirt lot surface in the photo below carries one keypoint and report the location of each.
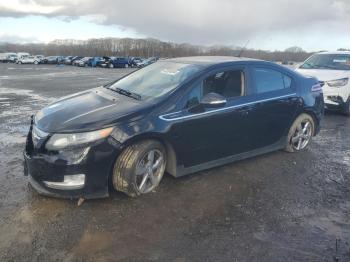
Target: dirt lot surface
(275, 207)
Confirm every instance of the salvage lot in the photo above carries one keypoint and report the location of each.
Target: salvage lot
(275, 207)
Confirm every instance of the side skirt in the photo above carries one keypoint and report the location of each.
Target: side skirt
(182, 171)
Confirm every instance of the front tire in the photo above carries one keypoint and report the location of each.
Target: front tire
(111, 66)
(300, 133)
(139, 168)
(347, 107)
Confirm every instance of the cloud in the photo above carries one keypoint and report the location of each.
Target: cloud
(8, 38)
(198, 21)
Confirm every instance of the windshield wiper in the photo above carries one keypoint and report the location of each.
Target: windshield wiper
(126, 93)
(325, 66)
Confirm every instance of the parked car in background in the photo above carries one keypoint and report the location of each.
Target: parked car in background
(84, 61)
(75, 60)
(53, 60)
(133, 61)
(39, 58)
(103, 62)
(61, 59)
(146, 62)
(177, 116)
(68, 60)
(3, 57)
(44, 60)
(118, 62)
(12, 58)
(333, 71)
(22, 54)
(95, 61)
(29, 60)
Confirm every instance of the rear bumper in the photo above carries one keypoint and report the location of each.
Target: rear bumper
(48, 176)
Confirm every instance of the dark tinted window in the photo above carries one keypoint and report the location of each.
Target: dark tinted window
(229, 84)
(267, 80)
(194, 97)
(287, 81)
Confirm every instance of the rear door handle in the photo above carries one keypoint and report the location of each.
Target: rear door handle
(244, 111)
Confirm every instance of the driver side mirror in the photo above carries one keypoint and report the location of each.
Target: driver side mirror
(211, 100)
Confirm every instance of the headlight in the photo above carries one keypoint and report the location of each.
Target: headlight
(338, 82)
(60, 141)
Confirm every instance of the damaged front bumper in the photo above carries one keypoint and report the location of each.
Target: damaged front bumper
(336, 99)
(55, 175)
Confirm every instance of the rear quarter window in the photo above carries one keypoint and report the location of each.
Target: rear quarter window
(267, 80)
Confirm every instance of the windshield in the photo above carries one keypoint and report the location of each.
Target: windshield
(328, 61)
(157, 79)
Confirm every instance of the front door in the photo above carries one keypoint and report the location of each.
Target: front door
(213, 133)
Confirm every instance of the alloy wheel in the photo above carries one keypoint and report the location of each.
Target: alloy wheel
(302, 135)
(149, 170)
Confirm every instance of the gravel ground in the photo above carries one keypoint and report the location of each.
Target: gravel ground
(275, 207)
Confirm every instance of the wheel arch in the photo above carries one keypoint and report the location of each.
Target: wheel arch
(171, 161)
(314, 118)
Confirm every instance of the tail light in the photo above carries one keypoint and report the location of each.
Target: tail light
(316, 88)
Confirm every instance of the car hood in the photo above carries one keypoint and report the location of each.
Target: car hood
(86, 111)
(324, 74)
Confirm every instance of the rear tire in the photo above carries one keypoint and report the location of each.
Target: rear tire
(300, 133)
(139, 168)
(111, 66)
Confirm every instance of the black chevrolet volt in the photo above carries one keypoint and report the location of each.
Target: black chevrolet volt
(177, 116)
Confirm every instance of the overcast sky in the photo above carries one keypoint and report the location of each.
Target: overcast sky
(268, 24)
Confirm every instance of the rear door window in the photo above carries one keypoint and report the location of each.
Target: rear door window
(267, 80)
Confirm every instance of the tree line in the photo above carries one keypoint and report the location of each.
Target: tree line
(147, 48)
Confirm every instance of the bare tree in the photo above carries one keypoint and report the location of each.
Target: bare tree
(148, 47)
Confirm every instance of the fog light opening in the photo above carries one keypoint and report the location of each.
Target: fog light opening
(70, 182)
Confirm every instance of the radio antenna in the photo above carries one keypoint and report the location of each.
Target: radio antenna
(243, 48)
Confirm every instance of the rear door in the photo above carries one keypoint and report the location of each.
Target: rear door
(276, 104)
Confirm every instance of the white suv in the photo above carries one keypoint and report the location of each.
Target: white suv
(29, 60)
(332, 69)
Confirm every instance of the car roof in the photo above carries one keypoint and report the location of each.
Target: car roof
(210, 60)
(336, 53)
